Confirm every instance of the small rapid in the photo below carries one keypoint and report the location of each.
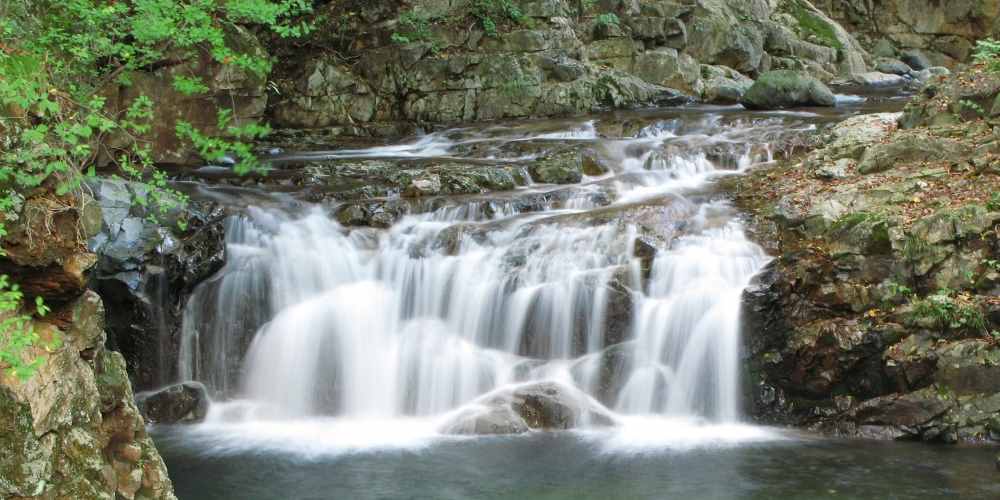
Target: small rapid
(625, 287)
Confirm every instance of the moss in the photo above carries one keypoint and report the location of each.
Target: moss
(815, 25)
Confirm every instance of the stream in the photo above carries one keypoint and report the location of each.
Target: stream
(353, 362)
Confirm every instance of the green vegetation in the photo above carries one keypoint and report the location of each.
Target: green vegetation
(17, 333)
(994, 202)
(492, 13)
(609, 19)
(414, 26)
(815, 25)
(59, 59)
(950, 310)
(987, 52)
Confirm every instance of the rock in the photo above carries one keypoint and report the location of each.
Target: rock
(908, 147)
(229, 87)
(874, 80)
(892, 66)
(563, 68)
(425, 185)
(836, 170)
(915, 59)
(561, 168)
(723, 85)
(592, 164)
(669, 68)
(184, 403)
(883, 48)
(145, 272)
(785, 89)
(69, 424)
(540, 405)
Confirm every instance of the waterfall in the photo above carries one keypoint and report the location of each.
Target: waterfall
(309, 318)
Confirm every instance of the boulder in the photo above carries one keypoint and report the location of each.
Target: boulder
(539, 405)
(183, 403)
(892, 66)
(723, 85)
(787, 89)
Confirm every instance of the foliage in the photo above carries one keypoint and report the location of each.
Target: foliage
(972, 106)
(415, 26)
(609, 19)
(949, 310)
(491, 13)
(994, 202)
(987, 52)
(17, 333)
(58, 61)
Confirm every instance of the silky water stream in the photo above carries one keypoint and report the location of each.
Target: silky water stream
(355, 363)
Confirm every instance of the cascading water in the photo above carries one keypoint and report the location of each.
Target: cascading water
(312, 319)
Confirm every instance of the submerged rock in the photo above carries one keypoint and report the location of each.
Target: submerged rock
(541, 405)
(181, 403)
(787, 89)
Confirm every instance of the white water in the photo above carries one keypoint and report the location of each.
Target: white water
(359, 330)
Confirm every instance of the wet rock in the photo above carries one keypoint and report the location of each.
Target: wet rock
(560, 168)
(184, 403)
(425, 185)
(146, 270)
(592, 164)
(786, 89)
(542, 405)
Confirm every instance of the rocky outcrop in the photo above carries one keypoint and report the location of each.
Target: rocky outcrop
(878, 318)
(70, 430)
(422, 63)
(543, 406)
(924, 32)
(145, 271)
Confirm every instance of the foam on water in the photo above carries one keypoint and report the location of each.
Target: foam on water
(325, 339)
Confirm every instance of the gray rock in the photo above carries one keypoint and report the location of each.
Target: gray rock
(786, 89)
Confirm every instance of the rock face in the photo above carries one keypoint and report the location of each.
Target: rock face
(555, 60)
(72, 430)
(787, 89)
(875, 319)
(145, 272)
(939, 33)
(180, 403)
(543, 405)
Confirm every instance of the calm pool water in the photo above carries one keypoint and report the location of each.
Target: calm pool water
(580, 466)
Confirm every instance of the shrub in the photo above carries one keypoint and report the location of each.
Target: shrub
(59, 58)
(987, 52)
